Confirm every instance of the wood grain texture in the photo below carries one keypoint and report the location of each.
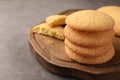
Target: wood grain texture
(52, 56)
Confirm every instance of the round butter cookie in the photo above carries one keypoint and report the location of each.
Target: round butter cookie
(55, 20)
(114, 12)
(88, 60)
(108, 9)
(88, 39)
(90, 20)
(90, 52)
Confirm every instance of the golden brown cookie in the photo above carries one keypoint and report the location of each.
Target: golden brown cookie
(114, 12)
(88, 39)
(56, 20)
(108, 9)
(90, 52)
(56, 32)
(89, 60)
(35, 29)
(90, 20)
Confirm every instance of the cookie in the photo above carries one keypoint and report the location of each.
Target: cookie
(88, 39)
(56, 20)
(56, 32)
(88, 60)
(90, 52)
(35, 29)
(108, 9)
(114, 12)
(90, 20)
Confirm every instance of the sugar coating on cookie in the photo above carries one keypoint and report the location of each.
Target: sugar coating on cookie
(90, 20)
(88, 39)
(88, 60)
(114, 12)
(89, 52)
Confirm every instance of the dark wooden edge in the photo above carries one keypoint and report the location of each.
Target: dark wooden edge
(59, 70)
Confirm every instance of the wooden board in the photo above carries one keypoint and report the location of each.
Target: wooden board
(52, 56)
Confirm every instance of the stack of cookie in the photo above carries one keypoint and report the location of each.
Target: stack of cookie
(88, 37)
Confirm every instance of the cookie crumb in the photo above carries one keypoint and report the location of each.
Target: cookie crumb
(50, 41)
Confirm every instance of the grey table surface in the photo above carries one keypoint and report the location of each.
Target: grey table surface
(16, 18)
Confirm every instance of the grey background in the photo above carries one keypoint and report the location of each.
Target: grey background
(16, 18)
